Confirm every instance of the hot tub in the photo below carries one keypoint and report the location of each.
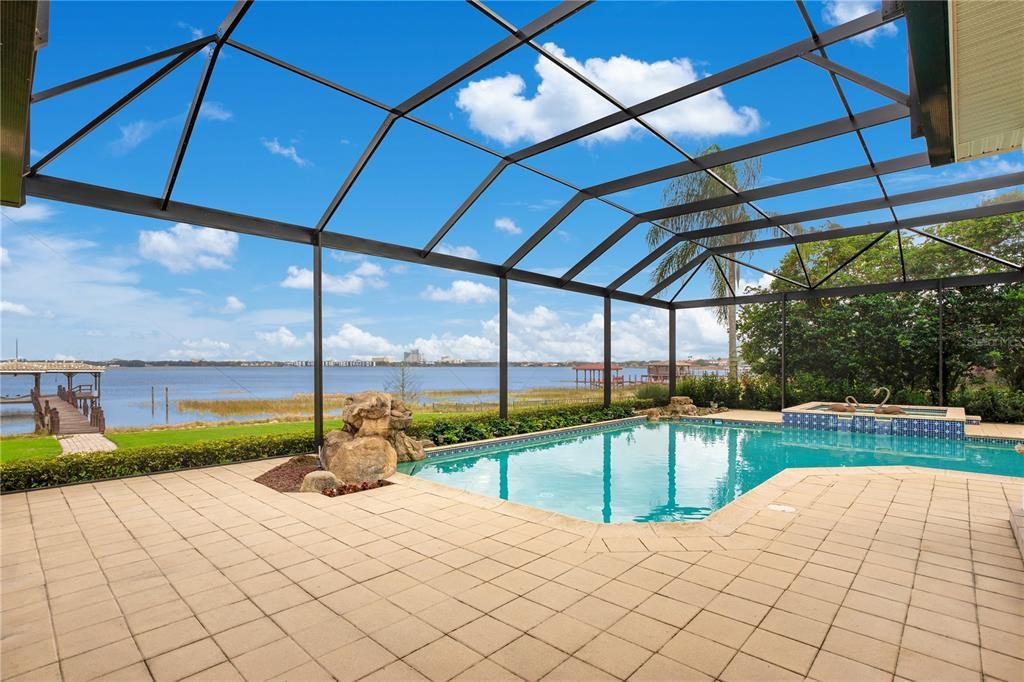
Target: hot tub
(933, 422)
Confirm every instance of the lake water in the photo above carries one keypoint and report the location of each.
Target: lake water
(126, 391)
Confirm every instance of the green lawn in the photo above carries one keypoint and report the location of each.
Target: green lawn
(29, 447)
(141, 439)
(16, 448)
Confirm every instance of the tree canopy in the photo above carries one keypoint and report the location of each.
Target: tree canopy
(892, 339)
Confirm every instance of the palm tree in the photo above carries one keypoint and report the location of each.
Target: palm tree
(695, 187)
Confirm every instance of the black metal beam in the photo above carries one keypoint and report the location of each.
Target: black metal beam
(688, 280)
(782, 353)
(942, 368)
(495, 52)
(965, 249)
(503, 347)
(225, 30)
(414, 119)
(552, 17)
(849, 260)
(695, 262)
(933, 193)
(768, 145)
(110, 111)
(986, 211)
(858, 78)
(357, 170)
(671, 353)
(83, 194)
(189, 47)
(611, 99)
(717, 80)
(852, 207)
(838, 177)
(318, 351)
(607, 351)
(461, 210)
(601, 248)
(545, 229)
(861, 290)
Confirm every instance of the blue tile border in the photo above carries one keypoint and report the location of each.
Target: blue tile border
(827, 422)
(512, 441)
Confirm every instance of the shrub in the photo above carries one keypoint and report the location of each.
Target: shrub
(463, 428)
(991, 402)
(36, 473)
(653, 392)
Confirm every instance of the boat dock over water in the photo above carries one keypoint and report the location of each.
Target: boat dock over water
(73, 409)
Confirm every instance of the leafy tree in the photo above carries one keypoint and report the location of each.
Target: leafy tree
(860, 342)
(695, 187)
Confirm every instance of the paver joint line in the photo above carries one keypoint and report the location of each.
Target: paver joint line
(868, 572)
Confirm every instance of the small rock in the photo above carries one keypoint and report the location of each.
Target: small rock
(316, 481)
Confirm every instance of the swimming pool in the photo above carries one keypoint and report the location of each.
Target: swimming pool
(682, 471)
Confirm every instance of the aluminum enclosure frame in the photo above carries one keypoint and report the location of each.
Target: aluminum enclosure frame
(811, 50)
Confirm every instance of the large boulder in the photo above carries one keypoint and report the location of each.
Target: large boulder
(359, 459)
(408, 449)
(367, 413)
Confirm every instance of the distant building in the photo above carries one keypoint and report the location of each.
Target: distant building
(413, 357)
(657, 372)
(382, 360)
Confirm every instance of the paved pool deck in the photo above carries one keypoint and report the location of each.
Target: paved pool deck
(829, 574)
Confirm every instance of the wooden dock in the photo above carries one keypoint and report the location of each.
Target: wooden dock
(74, 409)
(70, 419)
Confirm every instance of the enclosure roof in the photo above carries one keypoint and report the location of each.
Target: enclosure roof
(810, 50)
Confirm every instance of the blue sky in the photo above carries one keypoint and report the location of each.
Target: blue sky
(271, 144)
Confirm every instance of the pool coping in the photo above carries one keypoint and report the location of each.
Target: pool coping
(470, 446)
(725, 525)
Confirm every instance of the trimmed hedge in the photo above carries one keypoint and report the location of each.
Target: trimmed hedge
(464, 428)
(37, 473)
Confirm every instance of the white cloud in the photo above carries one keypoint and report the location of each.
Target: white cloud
(31, 212)
(184, 248)
(15, 309)
(507, 225)
(367, 274)
(5, 258)
(135, 133)
(460, 251)
(748, 286)
(289, 152)
(204, 348)
(836, 12)
(232, 305)
(358, 342)
(215, 111)
(500, 107)
(462, 291)
(283, 338)
(196, 32)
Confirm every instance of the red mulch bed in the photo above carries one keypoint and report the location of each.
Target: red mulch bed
(287, 478)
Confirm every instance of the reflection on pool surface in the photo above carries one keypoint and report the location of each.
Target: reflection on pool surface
(678, 471)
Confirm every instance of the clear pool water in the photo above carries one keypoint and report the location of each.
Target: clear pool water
(682, 471)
